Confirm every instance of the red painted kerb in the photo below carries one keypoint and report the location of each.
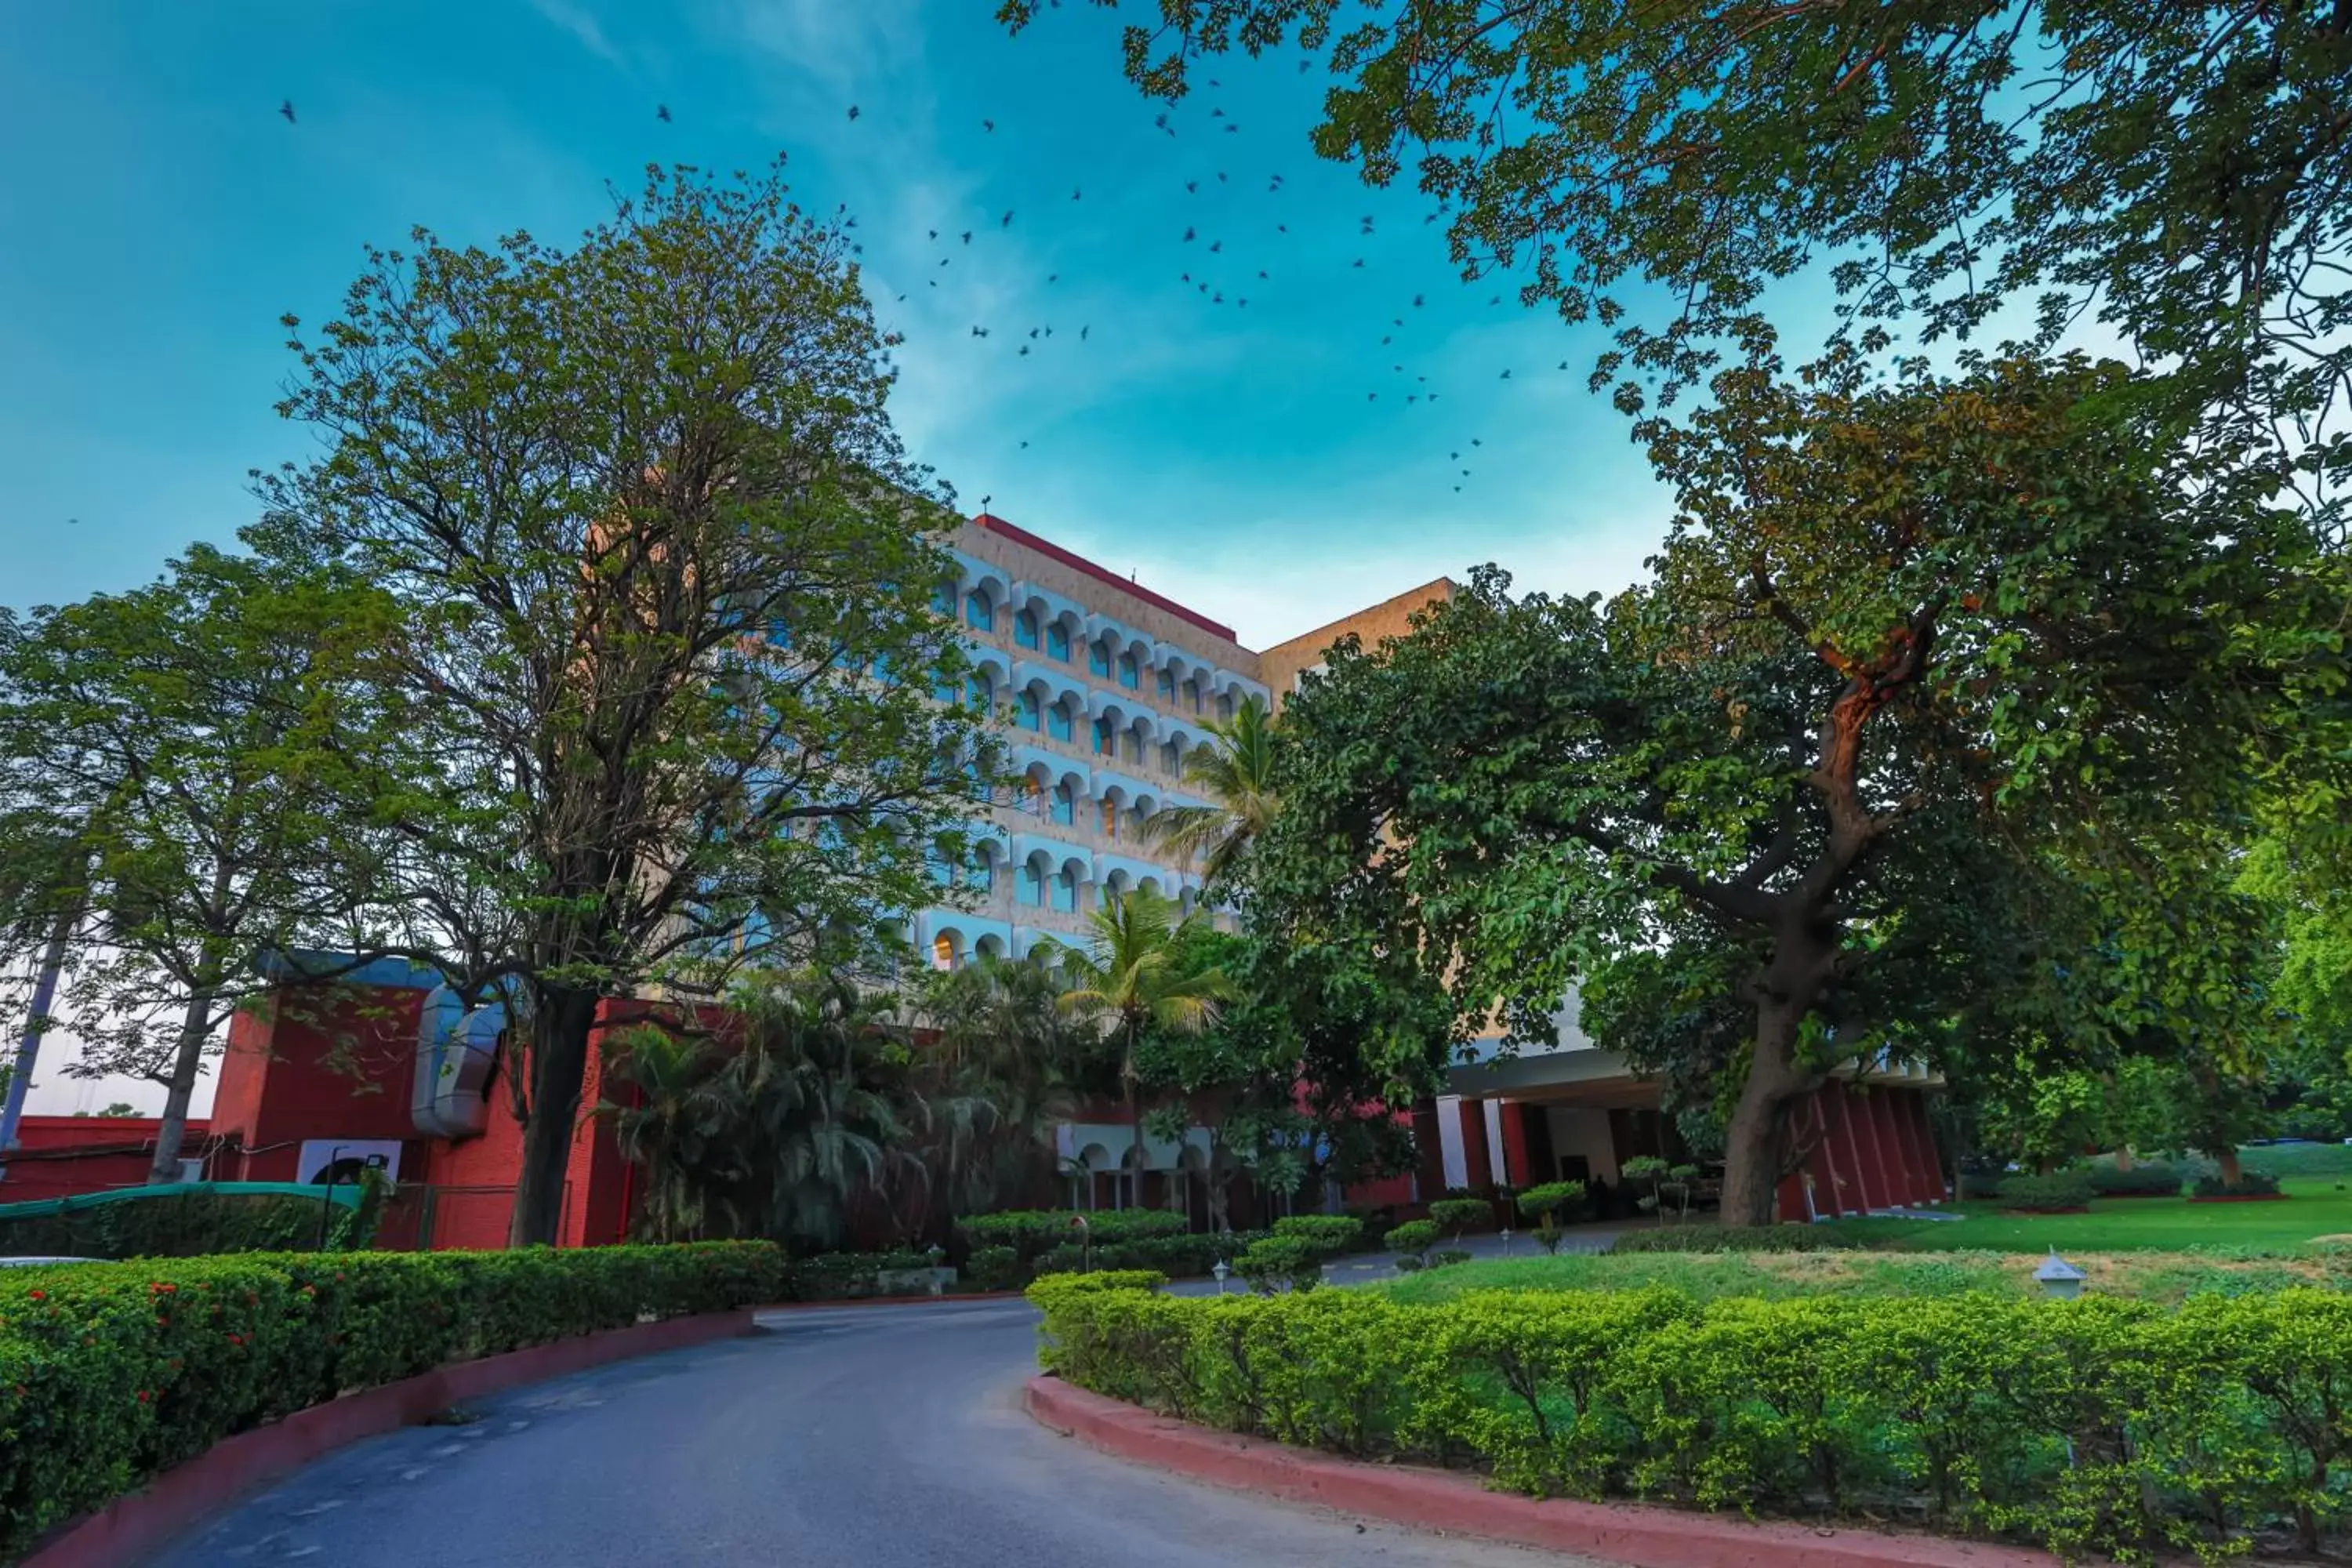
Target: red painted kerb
(1076, 562)
(1457, 1504)
(133, 1528)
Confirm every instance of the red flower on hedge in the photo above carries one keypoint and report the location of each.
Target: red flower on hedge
(143, 1396)
(39, 1295)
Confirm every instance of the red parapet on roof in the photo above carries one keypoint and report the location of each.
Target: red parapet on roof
(995, 524)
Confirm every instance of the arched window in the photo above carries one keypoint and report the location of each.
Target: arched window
(943, 687)
(1128, 675)
(1025, 628)
(1066, 891)
(1030, 715)
(1167, 686)
(1110, 820)
(1192, 694)
(978, 613)
(1057, 642)
(1066, 804)
(944, 951)
(1225, 708)
(1032, 797)
(943, 599)
(975, 690)
(1058, 722)
(1105, 744)
(1098, 659)
(978, 871)
(1171, 760)
(1031, 889)
(1131, 743)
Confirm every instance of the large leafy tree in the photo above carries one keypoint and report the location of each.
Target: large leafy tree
(176, 765)
(1908, 642)
(1130, 979)
(2176, 173)
(669, 570)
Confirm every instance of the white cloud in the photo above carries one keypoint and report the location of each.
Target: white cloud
(584, 30)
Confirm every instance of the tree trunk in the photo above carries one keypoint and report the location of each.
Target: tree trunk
(1751, 1144)
(2231, 1171)
(172, 1131)
(559, 1061)
(2124, 1158)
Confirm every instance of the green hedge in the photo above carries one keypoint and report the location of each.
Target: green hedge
(2055, 1192)
(112, 1371)
(845, 1276)
(2096, 1426)
(1032, 1233)
(1741, 1238)
(2249, 1184)
(2151, 1180)
(192, 1220)
(1178, 1257)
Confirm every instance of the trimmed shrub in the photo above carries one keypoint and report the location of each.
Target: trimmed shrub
(1412, 1239)
(2249, 1184)
(1333, 1234)
(847, 1275)
(2094, 1426)
(1178, 1256)
(1034, 1232)
(993, 1268)
(2054, 1193)
(1445, 1256)
(1455, 1216)
(111, 1372)
(1282, 1263)
(197, 1221)
(1557, 1200)
(2142, 1181)
(1737, 1238)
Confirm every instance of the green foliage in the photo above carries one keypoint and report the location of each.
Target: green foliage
(994, 1268)
(189, 1222)
(1412, 1239)
(1446, 1257)
(112, 1373)
(1551, 1199)
(1456, 1215)
(1034, 1232)
(1283, 1263)
(2249, 1184)
(2055, 1193)
(1333, 1234)
(2006, 1414)
(1747, 1238)
(847, 1276)
(2145, 1180)
(1178, 1256)
(1234, 769)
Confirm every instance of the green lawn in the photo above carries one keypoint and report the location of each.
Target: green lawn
(2316, 1205)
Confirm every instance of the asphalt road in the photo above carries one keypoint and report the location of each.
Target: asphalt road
(878, 1439)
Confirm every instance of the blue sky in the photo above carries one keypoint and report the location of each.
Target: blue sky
(159, 216)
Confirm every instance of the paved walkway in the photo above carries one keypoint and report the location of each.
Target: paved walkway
(885, 1437)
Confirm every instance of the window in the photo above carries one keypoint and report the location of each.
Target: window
(1057, 642)
(942, 689)
(1128, 675)
(1132, 745)
(1058, 722)
(1098, 659)
(1030, 715)
(975, 690)
(1031, 889)
(1104, 745)
(1170, 760)
(943, 599)
(1225, 708)
(1110, 820)
(1066, 891)
(943, 953)
(1066, 804)
(1167, 687)
(1032, 797)
(978, 613)
(978, 873)
(936, 864)
(1025, 628)
(1192, 695)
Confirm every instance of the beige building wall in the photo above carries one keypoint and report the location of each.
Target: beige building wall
(1280, 665)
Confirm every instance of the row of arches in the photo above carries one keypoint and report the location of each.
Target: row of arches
(1056, 708)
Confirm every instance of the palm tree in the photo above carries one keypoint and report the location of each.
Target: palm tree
(1236, 773)
(681, 1108)
(1127, 978)
(1003, 1072)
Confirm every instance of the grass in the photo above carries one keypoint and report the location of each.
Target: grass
(2316, 1205)
(2164, 1276)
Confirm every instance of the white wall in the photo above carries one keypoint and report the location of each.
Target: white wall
(1582, 1129)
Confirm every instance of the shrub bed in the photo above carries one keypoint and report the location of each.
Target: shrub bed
(2094, 1425)
(2060, 1192)
(1178, 1257)
(1744, 1238)
(111, 1373)
(2142, 1181)
(847, 1275)
(193, 1220)
(1032, 1233)
(2249, 1184)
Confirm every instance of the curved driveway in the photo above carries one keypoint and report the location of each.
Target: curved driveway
(882, 1437)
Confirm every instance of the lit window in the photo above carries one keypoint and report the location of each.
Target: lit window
(1032, 797)
(1032, 715)
(943, 953)
(1057, 642)
(1110, 820)
(1066, 804)
(1025, 628)
(1033, 884)
(978, 613)
(1058, 722)
(1128, 674)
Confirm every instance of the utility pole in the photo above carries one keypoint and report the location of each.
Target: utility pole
(29, 1047)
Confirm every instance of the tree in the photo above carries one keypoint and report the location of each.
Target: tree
(2180, 173)
(175, 767)
(1908, 642)
(1127, 980)
(669, 575)
(1235, 772)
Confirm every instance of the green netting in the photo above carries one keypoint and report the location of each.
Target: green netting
(346, 1194)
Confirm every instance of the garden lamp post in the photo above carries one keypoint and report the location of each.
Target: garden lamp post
(2060, 1281)
(1506, 1241)
(1221, 1271)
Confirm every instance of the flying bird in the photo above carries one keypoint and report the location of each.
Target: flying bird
(1189, 235)
(1242, 303)
(1025, 445)
(935, 234)
(1475, 441)
(988, 125)
(1282, 229)
(1024, 349)
(1074, 193)
(1215, 246)
(1496, 301)
(980, 332)
(967, 236)
(852, 112)
(661, 113)
(1033, 331)
(1216, 114)
(1082, 334)
(1230, 126)
(1220, 176)
(287, 109)
(1053, 278)
(1505, 376)
(1191, 187)
(1008, 220)
(1261, 272)
(1360, 261)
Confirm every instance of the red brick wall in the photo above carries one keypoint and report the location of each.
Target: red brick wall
(59, 1156)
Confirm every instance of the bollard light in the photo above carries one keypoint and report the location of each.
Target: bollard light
(2060, 1281)
(1221, 1271)
(1506, 1241)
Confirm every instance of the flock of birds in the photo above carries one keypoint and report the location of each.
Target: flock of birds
(1213, 289)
